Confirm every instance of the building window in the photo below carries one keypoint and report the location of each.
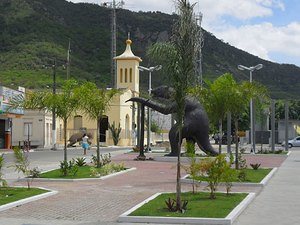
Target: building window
(27, 129)
(126, 75)
(130, 75)
(121, 75)
(77, 122)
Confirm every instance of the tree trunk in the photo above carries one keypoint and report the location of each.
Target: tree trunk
(98, 142)
(178, 181)
(236, 143)
(65, 140)
(220, 135)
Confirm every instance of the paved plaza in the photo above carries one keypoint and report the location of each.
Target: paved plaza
(102, 201)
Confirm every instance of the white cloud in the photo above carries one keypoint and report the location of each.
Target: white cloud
(264, 39)
(230, 20)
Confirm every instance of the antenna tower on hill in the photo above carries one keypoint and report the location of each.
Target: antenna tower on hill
(113, 5)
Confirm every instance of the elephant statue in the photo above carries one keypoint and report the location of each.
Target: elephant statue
(77, 137)
(195, 123)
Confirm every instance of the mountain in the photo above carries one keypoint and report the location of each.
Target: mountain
(35, 32)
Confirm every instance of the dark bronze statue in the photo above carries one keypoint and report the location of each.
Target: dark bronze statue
(77, 137)
(196, 125)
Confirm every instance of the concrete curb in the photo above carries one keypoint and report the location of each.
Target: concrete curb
(228, 220)
(27, 200)
(82, 179)
(185, 159)
(237, 184)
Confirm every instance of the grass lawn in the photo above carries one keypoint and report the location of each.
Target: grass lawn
(256, 176)
(253, 176)
(84, 172)
(199, 205)
(12, 194)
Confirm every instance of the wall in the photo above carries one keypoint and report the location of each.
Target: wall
(41, 128)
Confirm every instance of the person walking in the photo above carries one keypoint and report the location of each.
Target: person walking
(85, 144)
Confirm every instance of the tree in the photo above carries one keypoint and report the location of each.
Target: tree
(239, 101)
(64, 103)
(179, 58)
(95, 103)
(216, 100)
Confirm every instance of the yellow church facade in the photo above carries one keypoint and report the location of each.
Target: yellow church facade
(120, 111)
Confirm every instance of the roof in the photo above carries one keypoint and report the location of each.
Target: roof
(127, 54)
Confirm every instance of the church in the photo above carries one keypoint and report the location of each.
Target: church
(120, 111)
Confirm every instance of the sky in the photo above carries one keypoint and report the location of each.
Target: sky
(269, 29)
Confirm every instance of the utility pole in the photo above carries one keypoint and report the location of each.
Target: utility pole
(199, 71)
(113, 6)
(53, 66)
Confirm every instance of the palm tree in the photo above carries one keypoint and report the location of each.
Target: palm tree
(239, 101)
(216, 99)
(95, 102)
(178, 57)
(64, 104)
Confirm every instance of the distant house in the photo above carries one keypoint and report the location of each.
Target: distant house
(7, 117)
(34, 126)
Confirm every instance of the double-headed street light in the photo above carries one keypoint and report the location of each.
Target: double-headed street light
(252, 125)
(150, 70)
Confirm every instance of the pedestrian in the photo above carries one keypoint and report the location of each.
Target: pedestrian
(85, 144)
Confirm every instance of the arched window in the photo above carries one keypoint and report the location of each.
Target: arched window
(130, 75)
(121, 75)
(126, 75)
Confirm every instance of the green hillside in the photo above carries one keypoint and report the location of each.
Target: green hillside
(34, 32)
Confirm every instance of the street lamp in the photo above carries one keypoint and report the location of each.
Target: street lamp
(150, 70)
(252, 125)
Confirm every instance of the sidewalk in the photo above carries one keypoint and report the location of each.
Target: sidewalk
(279, 202)
(101, 202)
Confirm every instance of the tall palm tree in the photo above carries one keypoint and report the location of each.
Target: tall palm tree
(64, 103)
(178, 59)
(95, 102)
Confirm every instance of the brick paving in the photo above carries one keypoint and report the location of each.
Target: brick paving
(102, 201)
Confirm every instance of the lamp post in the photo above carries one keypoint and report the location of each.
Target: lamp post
(252, 125)
(150, 70)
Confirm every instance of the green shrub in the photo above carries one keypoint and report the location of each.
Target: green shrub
(80, 161)
(115, 132)
(22, 164)
(104, 159)
(94, 172)
(228, 175)
(194, 170)
(190, 148)
(242, 173)
(35, 172)
(68, 168)
(110, 168)
(213, 172)
(255, 166)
